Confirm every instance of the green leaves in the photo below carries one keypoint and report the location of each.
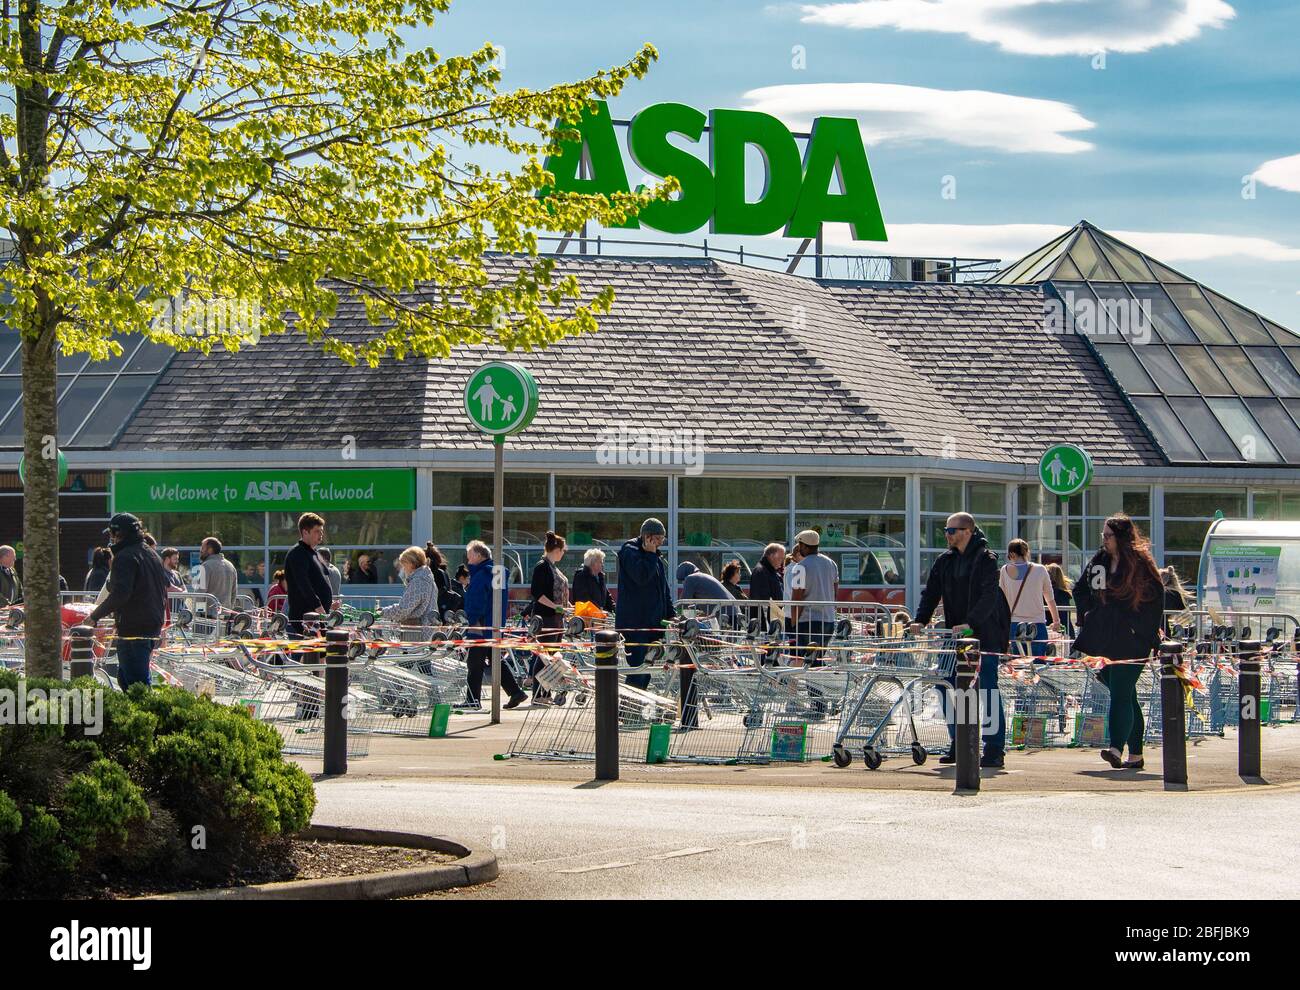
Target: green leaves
(276, 156)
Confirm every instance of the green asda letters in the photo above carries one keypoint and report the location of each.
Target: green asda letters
(796, 195)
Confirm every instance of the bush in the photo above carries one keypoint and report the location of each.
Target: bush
(175, 785)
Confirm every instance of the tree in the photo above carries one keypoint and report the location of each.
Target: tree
(168, 163)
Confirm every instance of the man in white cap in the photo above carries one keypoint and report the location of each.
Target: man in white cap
(813, 578)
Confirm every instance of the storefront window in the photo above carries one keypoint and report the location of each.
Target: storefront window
(699, 529)
(476, 490)
(1188, 513)
(941, 498)
(189, 529)
(610, 493)
(839, 493)
(1274, 503)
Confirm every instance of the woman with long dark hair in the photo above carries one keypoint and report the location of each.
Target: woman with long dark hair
(549, 592)
(1120, 602)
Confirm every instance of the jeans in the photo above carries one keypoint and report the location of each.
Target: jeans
(1038, 648)
(476, 665)
(1127, 726)
(636, 656)
(995, 739)
(133, 661)
(810, 634)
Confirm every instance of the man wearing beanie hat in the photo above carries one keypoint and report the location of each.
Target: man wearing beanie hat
(137, 599)
(644, 597)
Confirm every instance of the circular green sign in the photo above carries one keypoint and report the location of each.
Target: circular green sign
(63, 468)
(1065, 469)
(501, 398)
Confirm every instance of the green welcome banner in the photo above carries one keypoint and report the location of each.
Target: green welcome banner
(263, 491)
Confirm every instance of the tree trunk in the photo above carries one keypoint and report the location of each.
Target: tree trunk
(41, 507)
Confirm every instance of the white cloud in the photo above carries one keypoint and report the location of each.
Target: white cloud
(1036, 27)
(972, 118)
(1281, 173)
(1013, 240)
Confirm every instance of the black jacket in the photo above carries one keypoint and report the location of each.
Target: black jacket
(542, 584)
(95, 578)
(443, 583)
(11, 587)
(644, 598)
(967, 584)
(1108, 628)
(588, 587)
(765, 583)
(736, 591)
(137, 590)
(309, 583)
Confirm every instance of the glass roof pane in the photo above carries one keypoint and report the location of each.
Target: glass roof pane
(1163, 273)
(1171, 326)
(10, 341)
(1127, 262)
(1116, 319)
(11, 431)
(1251, 440)
(112, 414)
(1199, 314)
(1030, 261)
(1067, 269)
(77, 401)
(1164, 368)
(1276, 369)
(1126, 369)
(1202, 370)
(150, 357)
(1090, 262)
(1081, 304)
(1240, 372)
(1241, 321)
(1174, 440)
(1041, 269)
(69, 364)
(1279, 427)
(1209, 434)
(1281, 334)
(129, 344)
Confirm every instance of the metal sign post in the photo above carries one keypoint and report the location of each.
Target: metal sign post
(500, 399)
(500, 572)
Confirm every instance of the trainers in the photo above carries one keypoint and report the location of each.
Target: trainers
(948, 757)
(993, 762)
(1111, 756)
(1136, 763)
(516, 700)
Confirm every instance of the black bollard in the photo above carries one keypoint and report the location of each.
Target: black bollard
(606, 705)
(336, 700)
(1248, 755)
(1173, 715)
(83, 652)
(967, 715)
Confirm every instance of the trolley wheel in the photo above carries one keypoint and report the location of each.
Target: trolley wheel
(580, 699)
(752, 720)
(842, 757)
(919, 754)
(871, 757)
(559, 699)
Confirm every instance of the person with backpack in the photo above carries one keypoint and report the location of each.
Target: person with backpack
(1028, 590)
(965, 580)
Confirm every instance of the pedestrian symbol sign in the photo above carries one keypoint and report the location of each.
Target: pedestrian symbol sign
(1065, 469)
(501, 398)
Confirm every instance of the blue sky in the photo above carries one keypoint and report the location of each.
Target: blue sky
(1008, 97)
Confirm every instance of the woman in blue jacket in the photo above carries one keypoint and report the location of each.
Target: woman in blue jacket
(478, 609)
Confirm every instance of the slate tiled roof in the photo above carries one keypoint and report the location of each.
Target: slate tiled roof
(760, 362)
(986, 349)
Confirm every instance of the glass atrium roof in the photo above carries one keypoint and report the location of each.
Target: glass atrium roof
(96, 398)
(1213, 381)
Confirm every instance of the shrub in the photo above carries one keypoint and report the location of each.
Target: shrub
(167, 768)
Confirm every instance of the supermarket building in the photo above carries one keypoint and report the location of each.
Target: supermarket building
(738, 404)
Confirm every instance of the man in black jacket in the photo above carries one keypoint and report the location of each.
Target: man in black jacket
(965, 579)
(137, 599)
(305, 573)
(11, 587)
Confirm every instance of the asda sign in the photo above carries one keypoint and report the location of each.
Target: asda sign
(262, 491)
(797, 196)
